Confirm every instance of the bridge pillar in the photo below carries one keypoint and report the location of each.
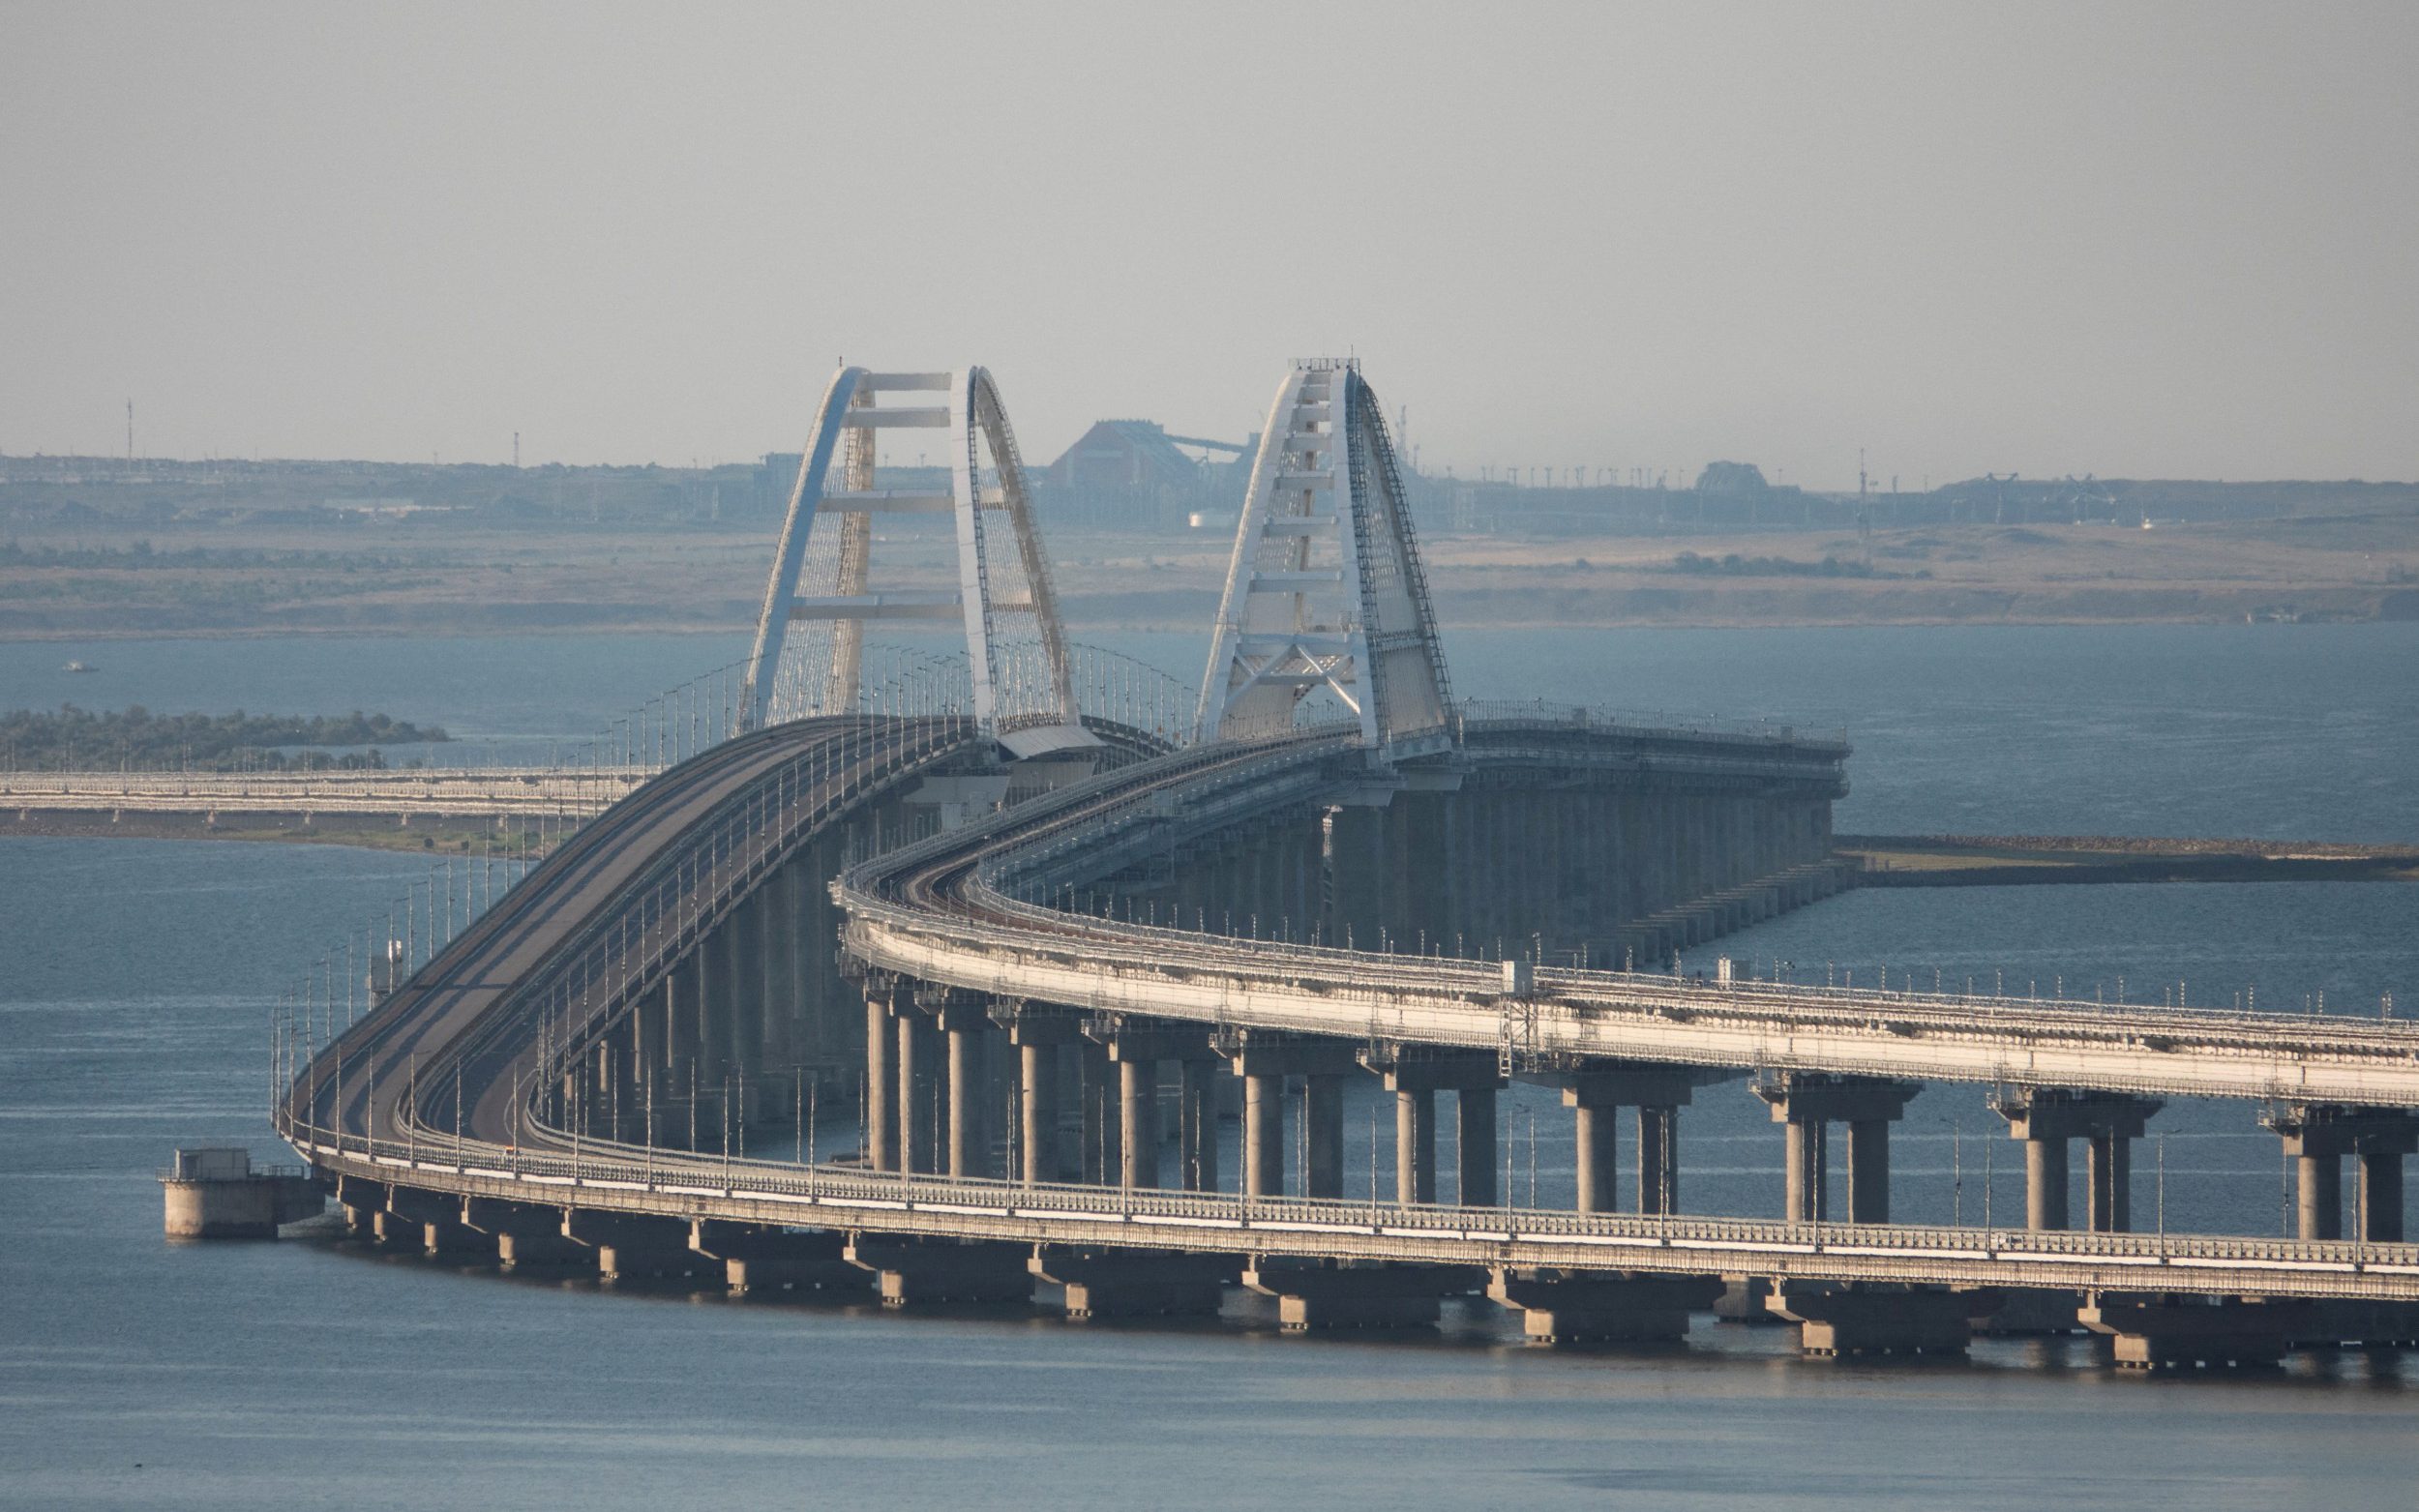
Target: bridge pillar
(1135, 1284)
(920, 1107)
(910, 1271)
(1808, 1103)
(1322, 1135)
(1136, 1046)
(1854, 1318)
(1264, 1059)
(2045, 1118)
(1562, 1307)
(2166, 1333)
(1414, 1075)
(1474, 1112)
(1596, 1127)
(2318, 1137)
(1038, 1032)
(1196, 1125)
(1263, 1136)
(1314, 1295)
(1659, 1159)
(963, 1018)
(881, 1080)
(1101, 1152)
(1596, 1091)
(758, 1258)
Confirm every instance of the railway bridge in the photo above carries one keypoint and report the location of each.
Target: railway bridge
(955, 990)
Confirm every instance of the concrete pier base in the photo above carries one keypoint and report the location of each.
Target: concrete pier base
(1561, 1308)
(910, 1272)
(1311, 1297)
(759, 1258)
(215, 1194)
(1111, 1284)
(1742, 1300)
(1834, 1322)
(527, 1237)
(2169, 1333)
(632, 1248)
(2007, 1312)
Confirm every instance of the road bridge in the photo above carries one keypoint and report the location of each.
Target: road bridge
(1042, 939)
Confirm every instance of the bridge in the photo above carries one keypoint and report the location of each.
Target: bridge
(1026, 959)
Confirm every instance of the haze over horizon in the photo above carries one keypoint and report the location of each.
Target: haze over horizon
(2141, 241)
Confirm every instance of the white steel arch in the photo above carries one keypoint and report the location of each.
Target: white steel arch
(1325, 589)
(1016, 652)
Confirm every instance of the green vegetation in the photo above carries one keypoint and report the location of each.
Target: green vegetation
(84, 739)
(1736, 566)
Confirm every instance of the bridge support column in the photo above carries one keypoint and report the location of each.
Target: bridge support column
(1099, 1122)
(1136, 1284)
(1559, 1307)
(1474, 1112)
(882, 1080)
(1850, 1320)
(1414, 1075)
(1037, 1032)
(1311, 1295)
(1597, 1090)
(1196, 1126)
(963, 1017)
(1138, 1046)
(757, 1258)
(1322, 1135)
(1263, 1136)
(2045, 1118)
(1659, 1159)
(1264, 1059)
(527, 1237)
(1415, 1147)
(919, 1107)
(2318, 1137)
(629, 1246)
(1595, 1128)
(911, 1271)
(2163, 1333)
(1808, 1104)
(1138, 1123)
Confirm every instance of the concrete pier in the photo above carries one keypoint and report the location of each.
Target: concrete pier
(216, 1194)
(527, 1236)
(1265, 1060)
(1838, 1320)
(757, 1258)
(2317, 1138)
(1560, 1306)
(2169, 1333)
(1414, 1075)
(629, 1247)
(1312, 1295)
(1596, 1091)
(1809, 1104)
(881, 1080)
(911, 1271)
(2045, 1118)
(1103, 1284)
(1037, 1032)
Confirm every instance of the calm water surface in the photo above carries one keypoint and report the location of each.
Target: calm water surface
(135, 976)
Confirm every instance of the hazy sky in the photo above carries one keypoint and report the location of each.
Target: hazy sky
(2172, 240)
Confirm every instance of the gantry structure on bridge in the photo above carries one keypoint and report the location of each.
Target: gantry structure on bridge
(1026, 958)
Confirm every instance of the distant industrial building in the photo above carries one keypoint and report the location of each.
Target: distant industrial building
(1133, 474)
